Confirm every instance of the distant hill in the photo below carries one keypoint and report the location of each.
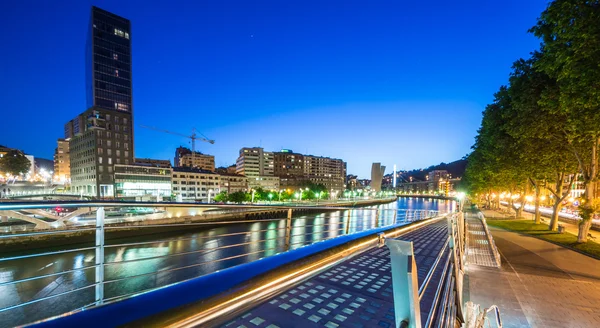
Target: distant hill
(456, 169)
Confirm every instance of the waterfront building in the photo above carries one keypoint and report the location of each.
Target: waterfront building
(153, 162)
(102, 136)
(232, 182)
(297, 170)
(62, 162)
(142, 182)
(257, 165)
(195, 185)
(184, 158)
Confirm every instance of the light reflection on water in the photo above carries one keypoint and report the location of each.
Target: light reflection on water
(204, 251)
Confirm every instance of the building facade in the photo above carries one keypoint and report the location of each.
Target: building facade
(62, 162)
(330, 172)
(102, 136)
(105, 140)
(195, 185)
(377, 172)
(142, 182)
(257, 165)
(232, 182)
(153, 162)
(184, 158)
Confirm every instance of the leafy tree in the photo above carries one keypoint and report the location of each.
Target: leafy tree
(14, 163)
(238, 197)
(543, 148)
(222, 197)
(570, 33)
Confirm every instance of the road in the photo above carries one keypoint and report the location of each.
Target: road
(133, 269)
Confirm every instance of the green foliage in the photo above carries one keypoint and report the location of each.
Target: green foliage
(223, 196)
(238, 197)
(14, 163)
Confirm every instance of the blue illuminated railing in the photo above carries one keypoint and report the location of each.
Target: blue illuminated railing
(288, 233)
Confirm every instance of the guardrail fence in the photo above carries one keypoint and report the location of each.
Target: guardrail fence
(119, 270)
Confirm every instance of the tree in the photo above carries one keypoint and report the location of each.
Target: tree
(570, 33)
(14, 163)
(238, 197)
(533, 122)
(222, 197)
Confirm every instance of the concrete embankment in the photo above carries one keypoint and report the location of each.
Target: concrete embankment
(135, 231)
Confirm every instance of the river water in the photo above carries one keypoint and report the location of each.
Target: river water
(132, 269)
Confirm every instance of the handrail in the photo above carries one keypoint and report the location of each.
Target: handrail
(492, 243)
(425, 283)
(346, 224)
(255, 280)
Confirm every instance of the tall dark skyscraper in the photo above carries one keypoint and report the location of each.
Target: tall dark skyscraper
(108, 62)
(102, 136)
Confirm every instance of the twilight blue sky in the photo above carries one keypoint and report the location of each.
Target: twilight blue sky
(391, 81)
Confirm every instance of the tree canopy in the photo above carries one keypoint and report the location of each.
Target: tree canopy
(543, 127)
(14, 163)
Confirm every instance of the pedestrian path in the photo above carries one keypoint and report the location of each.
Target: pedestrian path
(540, 284)
(355, 293)
(479, 251)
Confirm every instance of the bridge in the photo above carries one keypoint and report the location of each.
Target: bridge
(371, 266)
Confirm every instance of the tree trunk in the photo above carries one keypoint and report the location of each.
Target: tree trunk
(553, 226)
(538, 215)
(587, 210)
(584, 229)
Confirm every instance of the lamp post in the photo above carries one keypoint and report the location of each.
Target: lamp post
(280, 191)
(253, 191)
(318, 194)
(270, 197)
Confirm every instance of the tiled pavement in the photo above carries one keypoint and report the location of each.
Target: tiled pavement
(355, 293)
(539, 285)
(478, 250)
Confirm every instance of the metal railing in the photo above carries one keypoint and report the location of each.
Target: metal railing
(112, 273)
(492, 243)
(446, 305)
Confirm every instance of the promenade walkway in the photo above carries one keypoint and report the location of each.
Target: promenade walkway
(354, 293)
(540, 284)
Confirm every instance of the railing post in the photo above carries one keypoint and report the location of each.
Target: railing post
(396, 216)
(348, 221)
(456, 258)
(376, 218)
(288, 230)
(100, 255)
(405, 283)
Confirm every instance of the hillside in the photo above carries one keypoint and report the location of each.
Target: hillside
(456, 169)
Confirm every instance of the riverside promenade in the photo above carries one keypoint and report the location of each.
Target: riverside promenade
(540, 284)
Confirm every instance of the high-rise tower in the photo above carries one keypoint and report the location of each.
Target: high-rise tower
(102, 136)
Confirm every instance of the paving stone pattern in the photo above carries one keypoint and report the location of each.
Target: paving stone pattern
(479, 251)
(355, 293)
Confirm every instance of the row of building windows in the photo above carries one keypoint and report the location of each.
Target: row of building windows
(103, 55)
(124, 90)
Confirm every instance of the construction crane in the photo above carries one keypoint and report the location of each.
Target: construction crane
(193, 136)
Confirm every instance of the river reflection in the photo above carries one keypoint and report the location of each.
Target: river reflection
(134, 269)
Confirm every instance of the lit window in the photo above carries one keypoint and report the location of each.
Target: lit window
(115, 57)
(116, 72)
(126, 35)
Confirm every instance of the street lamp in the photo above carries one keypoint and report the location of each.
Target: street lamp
(270, 197)
(280, 191)
(318, 194)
